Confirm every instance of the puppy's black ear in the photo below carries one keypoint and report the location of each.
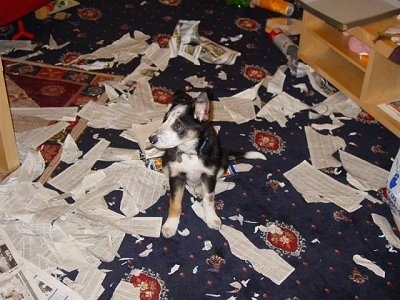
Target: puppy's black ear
(202, 107)
(180, 97)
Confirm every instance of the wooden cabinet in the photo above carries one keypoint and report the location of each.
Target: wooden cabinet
(370, 83)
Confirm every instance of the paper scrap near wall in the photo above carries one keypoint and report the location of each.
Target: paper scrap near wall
(316, 186)
(387, 230)
(362, 174)
(338, 103)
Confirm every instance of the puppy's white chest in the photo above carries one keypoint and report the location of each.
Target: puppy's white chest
(192, 166)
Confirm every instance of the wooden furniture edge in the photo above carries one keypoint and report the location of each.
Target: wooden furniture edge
(9, 159)
(377, 85)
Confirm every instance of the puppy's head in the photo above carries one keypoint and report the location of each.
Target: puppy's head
(183, 121)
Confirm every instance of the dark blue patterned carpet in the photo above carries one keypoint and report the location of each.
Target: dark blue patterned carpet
(318, 239)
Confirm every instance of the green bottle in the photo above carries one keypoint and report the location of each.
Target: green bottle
(238, 3)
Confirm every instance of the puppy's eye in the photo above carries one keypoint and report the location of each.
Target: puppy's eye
(178, 126)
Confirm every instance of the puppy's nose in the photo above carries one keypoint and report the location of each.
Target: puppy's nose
(153, 139)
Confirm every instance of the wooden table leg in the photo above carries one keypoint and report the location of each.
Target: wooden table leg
(9, 159)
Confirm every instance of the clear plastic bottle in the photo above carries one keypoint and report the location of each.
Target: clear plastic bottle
(238, 3)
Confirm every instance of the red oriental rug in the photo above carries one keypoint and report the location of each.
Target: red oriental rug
(32, 84)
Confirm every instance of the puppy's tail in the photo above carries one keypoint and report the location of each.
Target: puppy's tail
(233, 155)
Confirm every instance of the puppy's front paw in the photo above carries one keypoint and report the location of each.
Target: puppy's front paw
(211, 218)
(214, 223)
(170, 227)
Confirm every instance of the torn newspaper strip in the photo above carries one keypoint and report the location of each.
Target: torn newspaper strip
(322, 147)
(21, 279)
(264, 261)
(316, 186)
(361, 174)
(280, 107)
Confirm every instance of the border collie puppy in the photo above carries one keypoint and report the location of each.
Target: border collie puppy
(193, 156)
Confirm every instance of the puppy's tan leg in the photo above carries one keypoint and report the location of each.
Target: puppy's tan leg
(177, 188)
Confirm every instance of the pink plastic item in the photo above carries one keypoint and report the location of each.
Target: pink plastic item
(357, 46)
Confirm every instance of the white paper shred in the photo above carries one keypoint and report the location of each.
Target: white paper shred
(198, 82)
(242, 167)
(276, 82)
(122, 50)
(386, 229)
(214, 53)
(336, 123)
(322, 147)
(7, 46)
(319, 83)
(32, 139)
(222, 75)
(126, 291)
(237, 218)
(174, 269)
(280, 107)
(316, 186)
(31, 168)
(362, 174)
(302, 86)
(149, 249)
(231, 38)
(70, 177)
(67, 114)
(362, 261)
(184, 232)
(338, 103)
(70, 151)
(265, 261)
(53, 44)
(241, 105)
(207, 246)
